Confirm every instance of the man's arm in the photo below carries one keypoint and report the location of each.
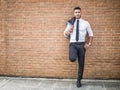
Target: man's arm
(90, 40)
(68, 30)
(90, 37)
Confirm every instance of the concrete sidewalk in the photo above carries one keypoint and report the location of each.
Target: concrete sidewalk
(17, 83)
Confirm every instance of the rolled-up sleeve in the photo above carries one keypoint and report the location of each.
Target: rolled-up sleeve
(67, 29)
(89, 30)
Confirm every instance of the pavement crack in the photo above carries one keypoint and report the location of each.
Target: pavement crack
(3, 82)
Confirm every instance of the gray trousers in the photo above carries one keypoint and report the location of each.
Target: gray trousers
(77, 50)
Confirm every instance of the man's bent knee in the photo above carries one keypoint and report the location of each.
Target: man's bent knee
(72, 59)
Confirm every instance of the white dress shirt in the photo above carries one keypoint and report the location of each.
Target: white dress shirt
(84, 28)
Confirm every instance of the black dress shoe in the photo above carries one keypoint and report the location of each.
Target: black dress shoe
(78, 84)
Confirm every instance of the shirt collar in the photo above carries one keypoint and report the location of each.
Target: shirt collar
(79, 19)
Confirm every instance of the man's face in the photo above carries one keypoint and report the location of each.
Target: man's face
(77, 13)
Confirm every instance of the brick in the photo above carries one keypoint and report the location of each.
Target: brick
(32, 41)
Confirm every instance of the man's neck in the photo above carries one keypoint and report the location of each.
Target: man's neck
(78, 18)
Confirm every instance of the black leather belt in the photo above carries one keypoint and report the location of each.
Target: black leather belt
(77, 42)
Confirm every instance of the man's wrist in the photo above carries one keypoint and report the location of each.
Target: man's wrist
(67, 33)
(90, 44)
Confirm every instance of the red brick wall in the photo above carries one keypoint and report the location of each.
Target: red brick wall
(32, 41)
(3, 34)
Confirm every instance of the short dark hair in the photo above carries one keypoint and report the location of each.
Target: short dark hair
(77, 8)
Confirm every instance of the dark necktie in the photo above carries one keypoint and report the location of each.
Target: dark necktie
(77, 31)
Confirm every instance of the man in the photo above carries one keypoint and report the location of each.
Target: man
(76, 30)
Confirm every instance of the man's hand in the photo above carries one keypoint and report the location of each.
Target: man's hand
(70, 31)
(71, 28)
(67, 33)
(86, 45)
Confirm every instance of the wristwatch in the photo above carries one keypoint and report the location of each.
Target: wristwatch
(90, 44)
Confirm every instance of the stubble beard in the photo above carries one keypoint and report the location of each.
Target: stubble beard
(78, 17)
